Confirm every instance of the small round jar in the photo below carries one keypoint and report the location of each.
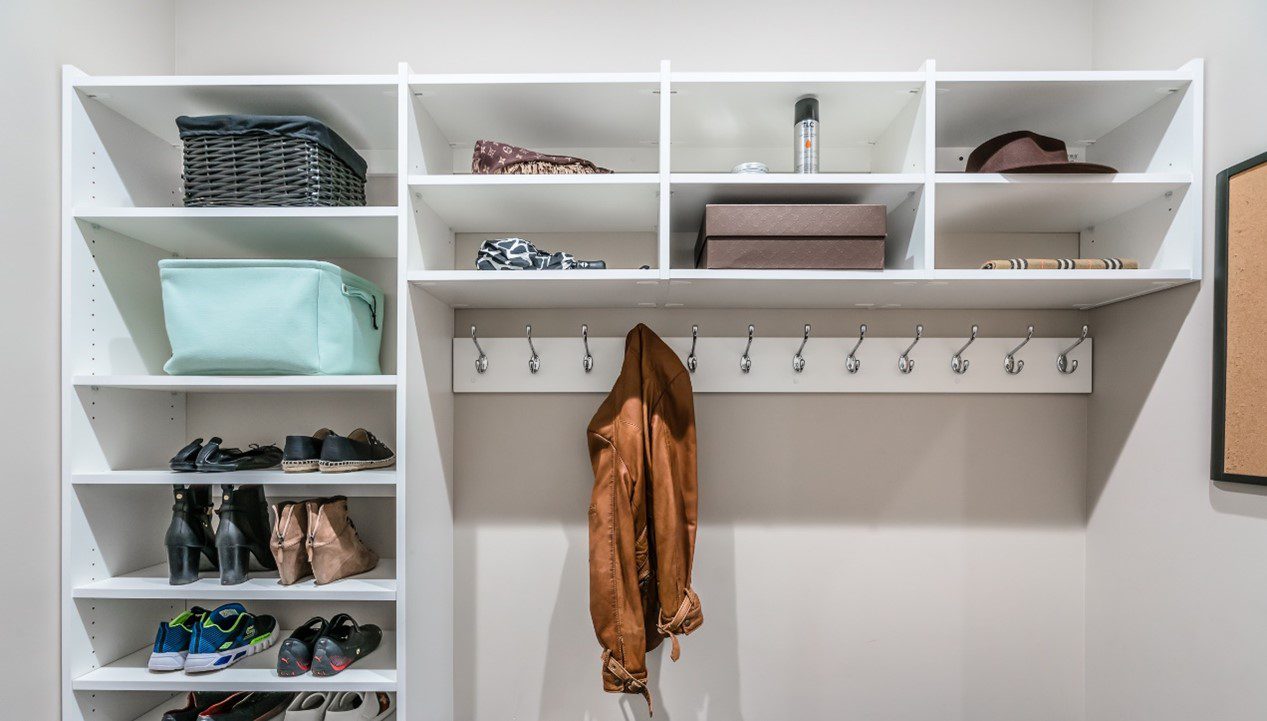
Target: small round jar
(753, 167)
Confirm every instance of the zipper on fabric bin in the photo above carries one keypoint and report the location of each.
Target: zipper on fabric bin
(369, 299)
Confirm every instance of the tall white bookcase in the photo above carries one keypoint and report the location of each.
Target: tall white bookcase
(897, 138)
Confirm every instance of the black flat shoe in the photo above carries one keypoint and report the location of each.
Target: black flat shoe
(303, 453)
(186, 458)
(295, 656)
(357, 451)
(214, 459)
(344, 643)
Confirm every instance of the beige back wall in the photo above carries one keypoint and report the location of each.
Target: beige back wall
(36, 38)
(1175, 582)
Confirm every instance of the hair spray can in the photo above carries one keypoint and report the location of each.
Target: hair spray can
(806, 135)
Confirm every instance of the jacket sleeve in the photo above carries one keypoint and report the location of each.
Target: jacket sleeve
(674, 494)
(616, 605)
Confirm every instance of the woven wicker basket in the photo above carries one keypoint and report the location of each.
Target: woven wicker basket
(263, 169)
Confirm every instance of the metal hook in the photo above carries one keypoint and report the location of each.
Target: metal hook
(1063, 364)
(534, 362)
(691, 361)
(1010, 363)
(745, 361)
(481, 363)
(958, 363)
(588, 360)
(798, 360)
(905, 363)
(852, 364)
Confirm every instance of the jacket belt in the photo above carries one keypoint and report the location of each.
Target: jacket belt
(673, 626)
(632, 685)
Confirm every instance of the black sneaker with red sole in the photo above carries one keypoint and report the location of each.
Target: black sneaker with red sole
(295, 656)
(344, 643)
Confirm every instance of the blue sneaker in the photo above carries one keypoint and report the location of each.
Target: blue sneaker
(171, 645)
(227, 635)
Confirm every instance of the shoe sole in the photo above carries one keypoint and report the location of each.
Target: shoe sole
(167, 661)
(348, 466)
(300, 466)
(203, 662)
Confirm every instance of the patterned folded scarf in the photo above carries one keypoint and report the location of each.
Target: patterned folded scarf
(519, 254)
(1062, 264)
(492, 157)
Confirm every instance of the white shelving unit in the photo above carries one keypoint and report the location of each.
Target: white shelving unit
(122, 416)
(896, 138)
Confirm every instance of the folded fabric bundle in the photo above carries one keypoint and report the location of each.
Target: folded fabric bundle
(519, 254)
(492, 157)
(1062, 264)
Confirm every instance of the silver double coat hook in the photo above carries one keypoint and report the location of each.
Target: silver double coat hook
(852, 364)
(905, 362)
(691, 361)
(534, 361)
(745, 360)
(798, 360)
(1011, 365)
(958, 363)
(481, 362)
(1063, 363)
(587, 361)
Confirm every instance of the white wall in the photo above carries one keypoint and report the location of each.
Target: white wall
(36, 37)
(513, 35)
(1175, 581)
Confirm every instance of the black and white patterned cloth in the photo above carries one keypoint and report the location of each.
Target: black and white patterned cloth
(519, 254)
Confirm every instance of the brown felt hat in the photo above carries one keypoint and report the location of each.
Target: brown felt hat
(1022, 151)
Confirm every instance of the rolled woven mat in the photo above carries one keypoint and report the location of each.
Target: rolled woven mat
(1062, 264)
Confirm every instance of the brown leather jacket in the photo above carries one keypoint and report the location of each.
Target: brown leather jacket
(642, 515)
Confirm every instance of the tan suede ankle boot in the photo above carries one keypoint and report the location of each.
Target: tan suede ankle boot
(335, 548)
(290, 542)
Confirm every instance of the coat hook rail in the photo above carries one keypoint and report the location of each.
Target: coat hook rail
(763, 367)
(1012, 365)
(958, 363)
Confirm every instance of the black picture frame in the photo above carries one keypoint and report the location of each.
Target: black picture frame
(1218, 420)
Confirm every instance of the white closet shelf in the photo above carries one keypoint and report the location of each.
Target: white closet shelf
(537, 203)
(375, 483)
(619, 110)
(375, 672)
(378, 584)
(1076, 106)
(1055, 289)
(1044, 203)
(692, 191)
(913, 288)
(541, 289)
(351, 232)
(233, 384)
(361, 108)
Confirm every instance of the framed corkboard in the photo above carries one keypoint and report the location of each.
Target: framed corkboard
(1239, 438)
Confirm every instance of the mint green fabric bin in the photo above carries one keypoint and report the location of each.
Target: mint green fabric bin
(270, 317)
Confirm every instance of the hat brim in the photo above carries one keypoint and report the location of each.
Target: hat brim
(1059, 168)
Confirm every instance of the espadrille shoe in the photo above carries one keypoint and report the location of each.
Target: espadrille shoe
(357, 451)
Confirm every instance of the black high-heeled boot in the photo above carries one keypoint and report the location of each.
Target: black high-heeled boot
(189, 535)
(243, 532)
